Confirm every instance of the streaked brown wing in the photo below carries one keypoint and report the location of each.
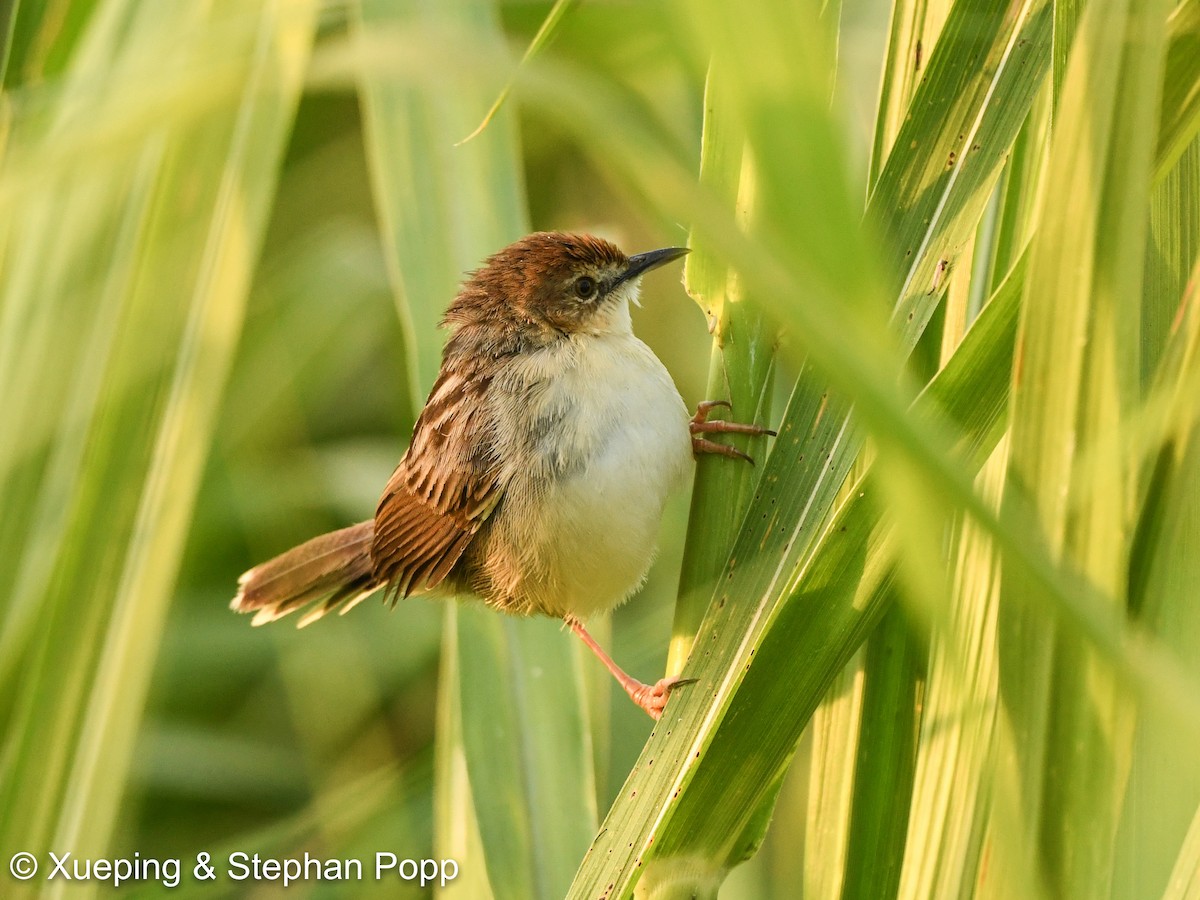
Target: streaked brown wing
(443, 490)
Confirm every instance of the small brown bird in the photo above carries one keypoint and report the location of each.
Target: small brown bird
(539, 467)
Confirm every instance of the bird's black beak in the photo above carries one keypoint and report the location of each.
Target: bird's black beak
(644, 262)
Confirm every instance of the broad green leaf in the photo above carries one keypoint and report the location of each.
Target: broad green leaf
(538, 748)
(429, 193)
(951, 804)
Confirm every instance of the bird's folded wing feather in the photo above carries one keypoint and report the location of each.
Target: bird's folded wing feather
(444, 489)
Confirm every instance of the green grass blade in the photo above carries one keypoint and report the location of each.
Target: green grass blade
(883, 770)
(544, 33)
(740, 373)
(1018, 191)
(428, 195)
(894, 669)
(953, 778)
(955, 752)
(456, 830)
(914, 30)
(830, 789)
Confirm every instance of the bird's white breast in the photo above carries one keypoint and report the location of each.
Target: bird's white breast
(610, 440)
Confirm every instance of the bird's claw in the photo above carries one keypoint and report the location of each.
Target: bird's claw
(700, 424)
(653, 697)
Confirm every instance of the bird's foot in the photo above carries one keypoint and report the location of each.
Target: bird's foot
(701, 425)
(650, 697)
(653, 697)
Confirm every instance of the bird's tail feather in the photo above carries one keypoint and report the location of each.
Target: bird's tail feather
(332, 570)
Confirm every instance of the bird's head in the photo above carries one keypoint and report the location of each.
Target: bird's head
(558, 282)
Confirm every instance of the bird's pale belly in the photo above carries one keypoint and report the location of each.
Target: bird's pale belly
(577, 531)
(600, 535)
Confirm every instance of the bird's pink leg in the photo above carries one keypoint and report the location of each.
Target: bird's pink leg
(650, 697)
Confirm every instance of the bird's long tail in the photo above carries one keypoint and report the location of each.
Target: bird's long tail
(333, 570)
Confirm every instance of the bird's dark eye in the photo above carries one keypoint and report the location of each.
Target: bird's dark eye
(585, 288)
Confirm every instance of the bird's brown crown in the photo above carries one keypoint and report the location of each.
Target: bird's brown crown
(550, 282)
